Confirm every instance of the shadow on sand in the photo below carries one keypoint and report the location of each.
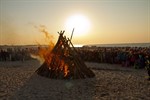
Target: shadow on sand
(41, 88)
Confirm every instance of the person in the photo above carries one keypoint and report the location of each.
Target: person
(148, 66)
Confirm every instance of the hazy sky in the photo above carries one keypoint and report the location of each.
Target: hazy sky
(111, 21)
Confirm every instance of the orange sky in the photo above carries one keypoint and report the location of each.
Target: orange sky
(111, 21)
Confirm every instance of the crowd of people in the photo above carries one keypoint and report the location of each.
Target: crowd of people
(126, 56)
(137, 57)
(15, 54)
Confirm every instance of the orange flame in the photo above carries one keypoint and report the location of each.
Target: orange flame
(66, 70)
(45, 53)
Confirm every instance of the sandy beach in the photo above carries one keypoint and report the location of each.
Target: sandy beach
(18, 81)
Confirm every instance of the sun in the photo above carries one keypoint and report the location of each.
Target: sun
(80, 23)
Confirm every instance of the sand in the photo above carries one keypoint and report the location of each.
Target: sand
(18, 81)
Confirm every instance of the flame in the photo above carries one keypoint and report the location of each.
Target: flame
(45, 53)
(66, 70)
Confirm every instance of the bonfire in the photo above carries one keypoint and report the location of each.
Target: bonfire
(64, 62)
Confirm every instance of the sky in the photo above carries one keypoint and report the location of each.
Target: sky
(111, 21)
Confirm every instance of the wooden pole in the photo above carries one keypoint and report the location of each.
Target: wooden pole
(71, 34)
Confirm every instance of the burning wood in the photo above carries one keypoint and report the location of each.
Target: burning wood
(63, 62)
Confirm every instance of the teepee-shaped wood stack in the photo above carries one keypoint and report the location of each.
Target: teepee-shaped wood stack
(64, 62)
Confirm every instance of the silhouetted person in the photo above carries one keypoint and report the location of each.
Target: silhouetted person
(148, 66)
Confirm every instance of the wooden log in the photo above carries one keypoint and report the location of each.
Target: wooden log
(62, 52)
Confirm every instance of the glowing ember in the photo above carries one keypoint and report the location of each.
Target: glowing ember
(66, 70)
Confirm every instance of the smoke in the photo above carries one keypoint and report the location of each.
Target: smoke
(41, 60)
(44, 53)
(47, 36)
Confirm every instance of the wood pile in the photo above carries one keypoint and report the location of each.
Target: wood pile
(64, 62)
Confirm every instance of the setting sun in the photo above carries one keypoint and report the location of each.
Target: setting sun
(80, 23)
(94, 21)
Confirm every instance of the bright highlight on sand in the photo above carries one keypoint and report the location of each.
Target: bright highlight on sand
(80, 23)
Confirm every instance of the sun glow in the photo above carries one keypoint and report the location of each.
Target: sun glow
(80, 23)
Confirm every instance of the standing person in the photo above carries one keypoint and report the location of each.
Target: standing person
(148, 66)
